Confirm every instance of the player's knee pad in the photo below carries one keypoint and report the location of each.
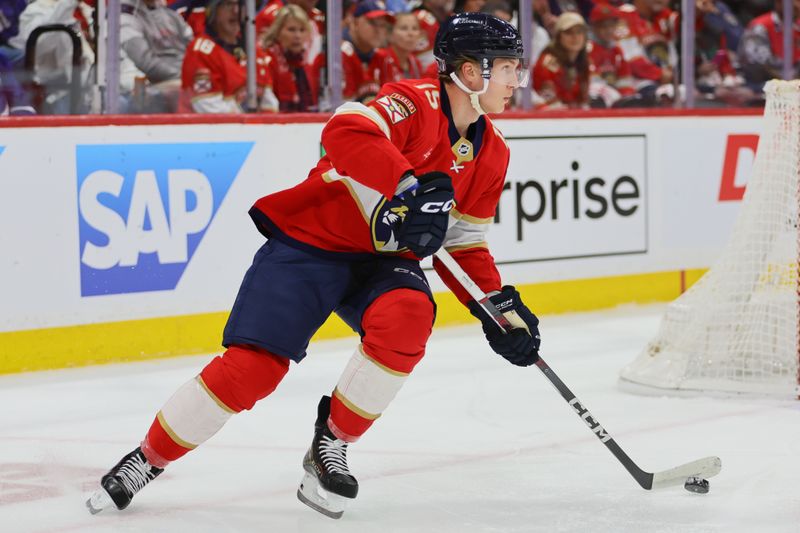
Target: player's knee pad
(396, 328)
(201, 406)
(243, 375)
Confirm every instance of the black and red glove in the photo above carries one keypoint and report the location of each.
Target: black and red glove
(520, 345)
(425, 223)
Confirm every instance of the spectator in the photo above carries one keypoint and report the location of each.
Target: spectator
(582, 7)
(10, 11)
(543, 16)
(54, 50)
(155, 37)
(469, 6)
(213, 75)
(430, 14)
(647, 35)
(192, 11)
(398, 6)
(397, 61)
(368, 28)
(13, 100)
(611, 77)
(717, 38)
(266, 17)
(293, 80)
(761, 47)
(717, 25)
(498, 8)
(747, 10)
(561, 75)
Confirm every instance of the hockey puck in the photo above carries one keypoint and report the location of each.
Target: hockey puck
(697, 485)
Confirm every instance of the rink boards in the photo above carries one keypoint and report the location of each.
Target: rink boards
(128, 241)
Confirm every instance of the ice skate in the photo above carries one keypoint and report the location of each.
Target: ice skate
(327, 485)
(120, 484)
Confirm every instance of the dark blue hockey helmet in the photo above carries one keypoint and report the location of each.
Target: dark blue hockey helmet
(477, 36)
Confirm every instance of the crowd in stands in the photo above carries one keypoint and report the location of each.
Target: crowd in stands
(189, 55)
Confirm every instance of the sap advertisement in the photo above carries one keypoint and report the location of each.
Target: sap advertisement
(144, 209)
(111, 223)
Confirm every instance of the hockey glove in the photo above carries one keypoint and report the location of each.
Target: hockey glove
(425, 224)
(520, 346)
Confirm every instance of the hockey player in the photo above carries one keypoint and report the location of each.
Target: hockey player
(419, 167)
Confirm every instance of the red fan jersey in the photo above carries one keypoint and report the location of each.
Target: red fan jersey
(770, 24)
(385, 66)
(648, 44)
(358, 83)
(558, 85)
(293, 81)
(428, 26)
(348, 205)
(193, 12)
(213, 79)
(608, 63)
(266, 17)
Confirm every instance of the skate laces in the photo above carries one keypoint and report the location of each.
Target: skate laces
(135, 474)
(334, 455)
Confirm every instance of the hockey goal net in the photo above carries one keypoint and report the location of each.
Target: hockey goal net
(736, 329)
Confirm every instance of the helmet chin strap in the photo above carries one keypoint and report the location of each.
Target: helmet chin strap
(473, 95)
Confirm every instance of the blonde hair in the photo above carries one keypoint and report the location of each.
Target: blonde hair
(289, 11)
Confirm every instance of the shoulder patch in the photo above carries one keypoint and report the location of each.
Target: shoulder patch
(397, 107)
(202, 81)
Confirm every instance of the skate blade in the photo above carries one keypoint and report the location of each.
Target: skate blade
(98, 501)
(312, 494)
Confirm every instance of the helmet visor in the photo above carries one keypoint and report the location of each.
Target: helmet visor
(509, 72)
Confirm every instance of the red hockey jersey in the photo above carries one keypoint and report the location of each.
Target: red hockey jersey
(429, 26)
(385, 66)
(648, 44)
(608, 63)
(294, 82)
(347, 205)
(357, 82)
(213, 79)
(558, 85)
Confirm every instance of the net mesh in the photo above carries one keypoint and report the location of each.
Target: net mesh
(736, 329)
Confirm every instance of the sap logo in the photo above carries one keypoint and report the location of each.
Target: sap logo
(1, 149)
(144, 208)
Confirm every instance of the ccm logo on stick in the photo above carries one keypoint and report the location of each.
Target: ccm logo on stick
(144, 208)
(591, 422)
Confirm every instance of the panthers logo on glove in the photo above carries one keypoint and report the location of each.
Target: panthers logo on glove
(386, 219)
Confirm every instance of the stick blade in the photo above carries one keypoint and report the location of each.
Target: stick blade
(702, 468)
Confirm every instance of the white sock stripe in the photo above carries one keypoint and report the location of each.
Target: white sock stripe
(192, 415)
(368, 386)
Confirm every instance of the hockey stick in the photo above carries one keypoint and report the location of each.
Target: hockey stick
(683, 474)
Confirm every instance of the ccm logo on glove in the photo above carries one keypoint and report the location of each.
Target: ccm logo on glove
(438, 207)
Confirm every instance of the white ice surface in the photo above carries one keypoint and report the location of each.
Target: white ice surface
(470, 444)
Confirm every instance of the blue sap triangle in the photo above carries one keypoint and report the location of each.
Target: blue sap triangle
(220, 163)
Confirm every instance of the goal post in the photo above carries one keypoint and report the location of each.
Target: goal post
(737, 329)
